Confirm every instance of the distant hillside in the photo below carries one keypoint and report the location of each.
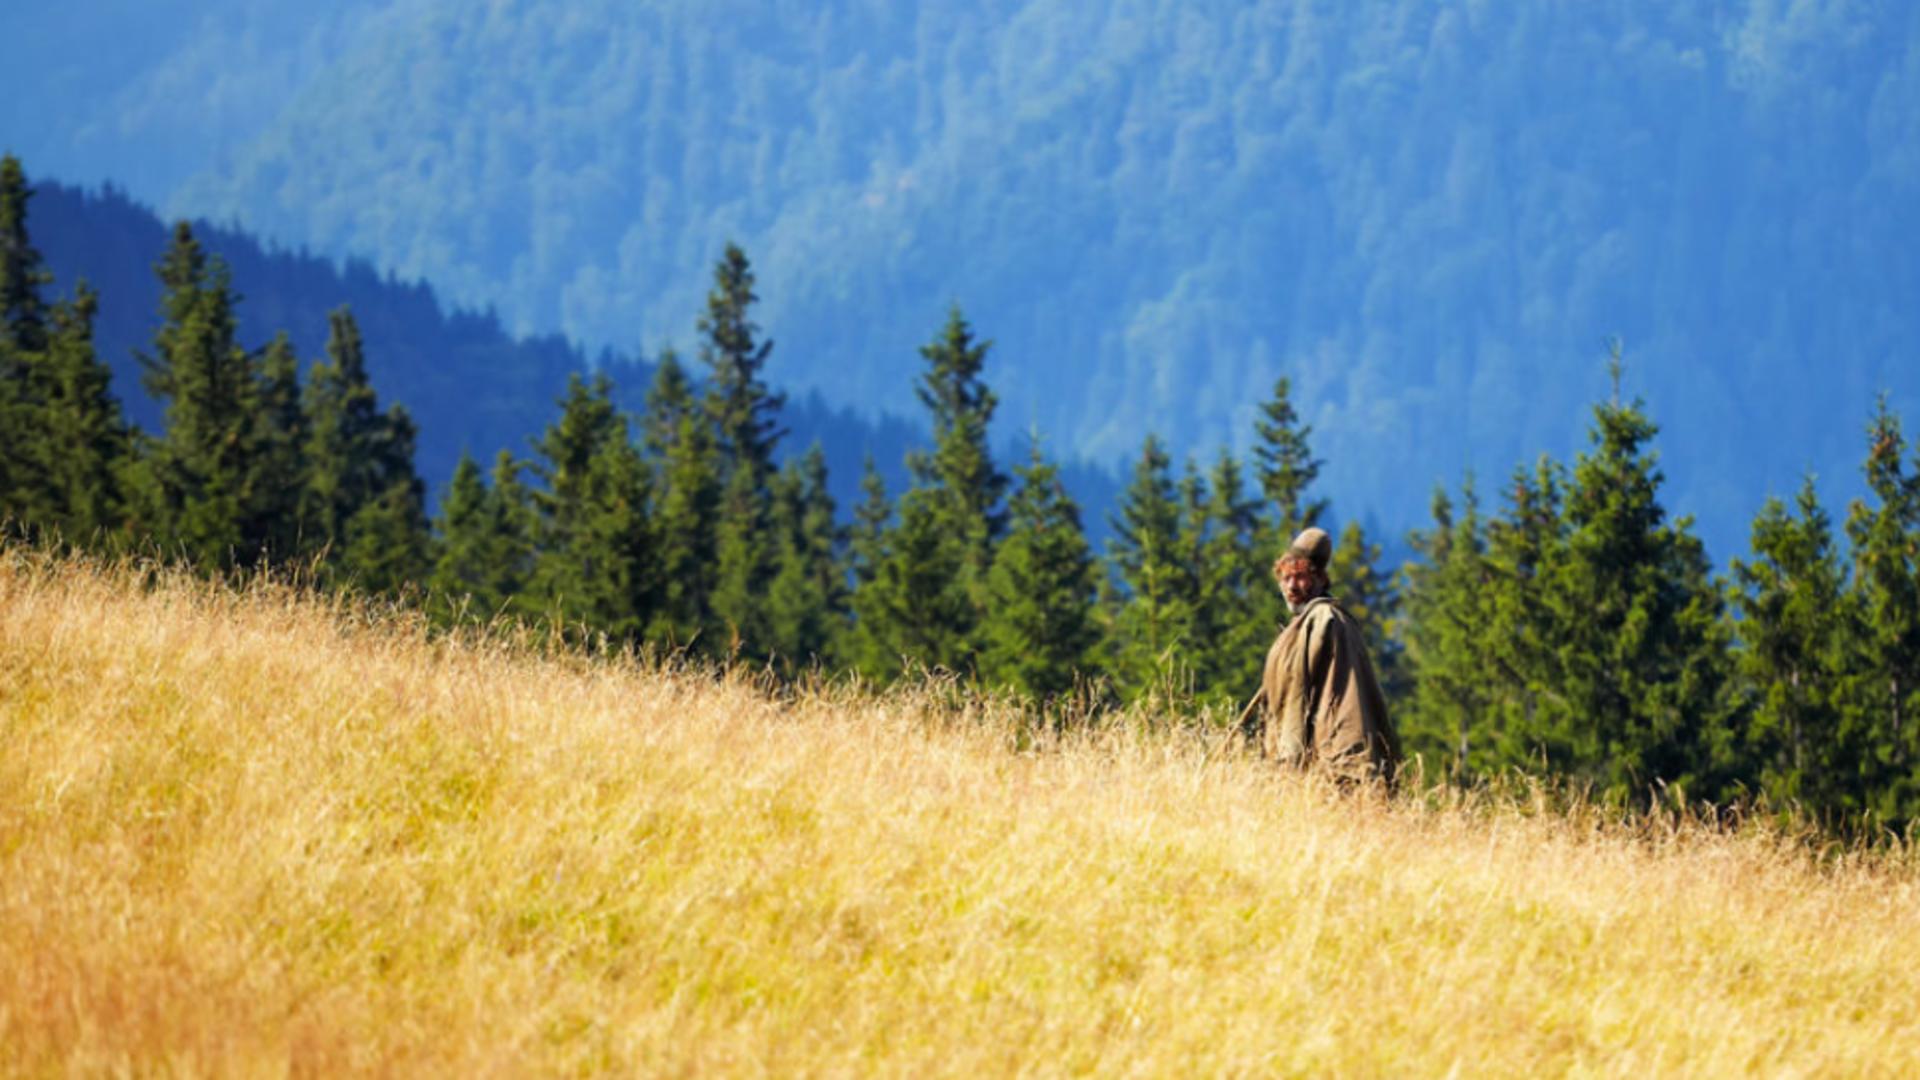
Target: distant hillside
(468, 383)
(1430, 215)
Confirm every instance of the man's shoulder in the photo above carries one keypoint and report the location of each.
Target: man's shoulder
(1323, 609)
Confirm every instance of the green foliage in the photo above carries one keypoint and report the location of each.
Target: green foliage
(1236, 608)
(596, 569)
(1445, 716)
(484, 560)
(1367, 592)
(743, 411)
(687, 465)
(1797, 631)
(202, 487)
(1641, 659)
(282, 466)
(927, 596)
(1150, 557)
(1041, 633)
(808, 598)
(23, 312)
(82, 436)
(1284, 464)
(1883, 683)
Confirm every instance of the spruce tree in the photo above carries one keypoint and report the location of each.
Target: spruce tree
(84, 439)
(1237, 605)
(679, 437)
(282, 465)
(1444, 716)
(23, 311)
(1285, 466)
(961, 467)
(466, 558)
(670, 401)
(1641, 679)
(919, 610)
(597, 567)
(807, 600)
(1156, 592)
(928, 598)
(1367, 592)
(25, 497)
(344, 435)
(362, 502)
(1041, 633)
(389, 549)
(744, 412)
(1796, 631)
(1883, 687)
(201, 479)
(866, 645)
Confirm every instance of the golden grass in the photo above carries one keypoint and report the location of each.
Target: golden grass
(255, 833)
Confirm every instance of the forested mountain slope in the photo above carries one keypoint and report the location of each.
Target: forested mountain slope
(469, 384)
(1430, 216)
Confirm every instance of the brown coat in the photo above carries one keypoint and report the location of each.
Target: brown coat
(1320, 701)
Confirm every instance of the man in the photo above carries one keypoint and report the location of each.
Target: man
(1319, 704)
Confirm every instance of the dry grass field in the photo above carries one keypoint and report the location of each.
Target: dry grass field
(250, 833)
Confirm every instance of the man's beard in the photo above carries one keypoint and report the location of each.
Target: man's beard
(1292, 608)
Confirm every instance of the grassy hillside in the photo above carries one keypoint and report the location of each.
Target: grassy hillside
(252, 832)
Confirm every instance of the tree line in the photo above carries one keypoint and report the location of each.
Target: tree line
(1575, 632)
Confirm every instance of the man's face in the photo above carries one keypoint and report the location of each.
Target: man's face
(1299, 581)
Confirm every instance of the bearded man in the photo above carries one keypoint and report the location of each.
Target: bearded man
(1319, 705)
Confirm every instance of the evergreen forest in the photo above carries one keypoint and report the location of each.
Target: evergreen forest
(1559, 622)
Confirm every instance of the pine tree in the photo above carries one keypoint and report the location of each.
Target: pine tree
(961, 468)
(344, 435)
(680, 439)
(1446, 714)
(467, 558)
(865, 644)
(282, 464)
(201, 481)
(918, 609)
(23, 313)
(362, 502)
(1795, 633)
(1285, 466)
(596, 568)
(807, 600)
(926, 601)
(1642, 693)
(24, 488)
(670, 402)
(744, 414)
(1883, 688)
(1526, 544)
(743, 408)
(1237, 607)
(1367, 592)
(1041, 633)
(389, 550)
(83, 435)
(1151, 630)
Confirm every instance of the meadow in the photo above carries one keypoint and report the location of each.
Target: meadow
(253, 831)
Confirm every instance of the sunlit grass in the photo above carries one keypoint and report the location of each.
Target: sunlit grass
(251, 832)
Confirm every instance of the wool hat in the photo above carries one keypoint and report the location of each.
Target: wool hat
(1313, 545)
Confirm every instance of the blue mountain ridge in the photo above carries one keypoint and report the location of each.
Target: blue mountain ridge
(1430, 216)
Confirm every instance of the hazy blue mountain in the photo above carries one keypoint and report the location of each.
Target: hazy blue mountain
(470, 385)
(1430, 215)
